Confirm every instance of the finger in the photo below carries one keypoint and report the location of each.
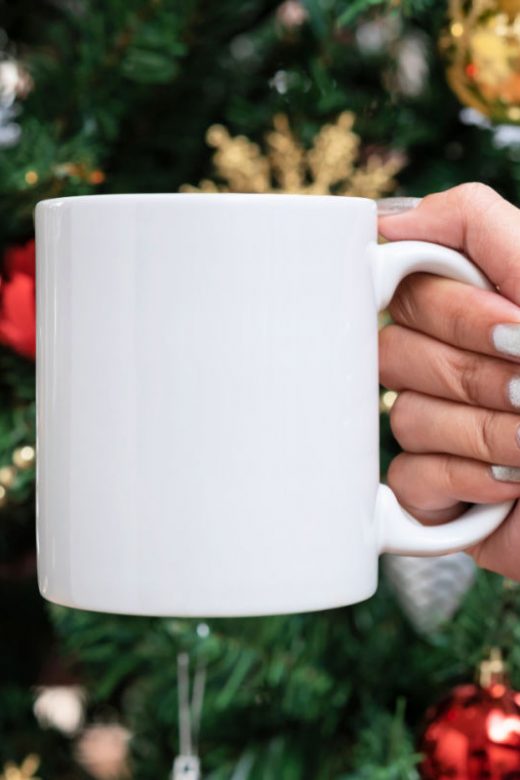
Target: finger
(500, 552)
(453, 312)
(445, 371)
(472, 218)
(423, 424)
(436, 487)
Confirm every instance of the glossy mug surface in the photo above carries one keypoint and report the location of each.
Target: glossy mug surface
(207, 398)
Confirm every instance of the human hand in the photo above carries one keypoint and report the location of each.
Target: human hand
(453, 355)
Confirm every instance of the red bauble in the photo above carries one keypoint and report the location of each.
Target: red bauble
(17, 304)
(473, 734)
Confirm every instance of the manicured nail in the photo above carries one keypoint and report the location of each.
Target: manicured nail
(389, 207)
(506, 473)
(506, 338)
(513, 391)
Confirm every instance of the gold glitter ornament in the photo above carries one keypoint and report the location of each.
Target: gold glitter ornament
(26, 770)
(7, 476)
(332, 165)
(23, 457)
(481, 45)
(510, 7)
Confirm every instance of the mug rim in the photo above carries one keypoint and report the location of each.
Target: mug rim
(205, 197)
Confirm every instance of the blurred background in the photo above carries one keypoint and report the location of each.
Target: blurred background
(368, 97)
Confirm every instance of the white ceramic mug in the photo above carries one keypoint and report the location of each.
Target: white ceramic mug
(207, 393)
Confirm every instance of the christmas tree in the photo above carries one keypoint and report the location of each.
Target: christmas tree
(303, 95)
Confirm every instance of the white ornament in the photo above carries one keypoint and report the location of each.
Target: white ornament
(504, 136)
(412, 65)
(9, 131)
(470, 116)
(15, 81)
(378, 34)
(429, 590)
(61, 707)
(291, 13)
(186, 768)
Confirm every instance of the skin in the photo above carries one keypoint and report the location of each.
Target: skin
(453, 417)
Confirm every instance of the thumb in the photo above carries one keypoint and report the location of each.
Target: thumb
(474, 219)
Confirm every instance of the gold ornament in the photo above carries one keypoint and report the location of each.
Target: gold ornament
(78, 171)
(482, 49)
(492, 669)
(31, 178)
(510, 7)
(97, 177)
(7, 479)
(26, 770)
(330, 167)
(387, 400)
(23, 457)
(7, 476)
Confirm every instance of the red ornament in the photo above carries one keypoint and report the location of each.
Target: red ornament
(474, 733)
(17, 300)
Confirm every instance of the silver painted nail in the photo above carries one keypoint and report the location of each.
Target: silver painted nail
(506, 338)
(513, 391)
(388, 207)
(506, 473)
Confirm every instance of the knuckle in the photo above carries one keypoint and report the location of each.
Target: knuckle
(474, 203)
(467, 370)
(394, 474)
(449, 476)
(485, 435)
(400, 418)
(476, 193)
(407, 490)
(390, 339)
(458, 324)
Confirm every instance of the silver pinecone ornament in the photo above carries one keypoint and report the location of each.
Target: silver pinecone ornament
(429, 590)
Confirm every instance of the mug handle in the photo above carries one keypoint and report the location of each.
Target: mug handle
(399, 532)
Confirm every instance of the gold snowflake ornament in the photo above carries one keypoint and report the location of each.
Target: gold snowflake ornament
(26, 770)
(332, 166)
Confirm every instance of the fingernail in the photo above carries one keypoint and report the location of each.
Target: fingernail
(513, 391)
(506, 338)
(389, 207)
(506, 473)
